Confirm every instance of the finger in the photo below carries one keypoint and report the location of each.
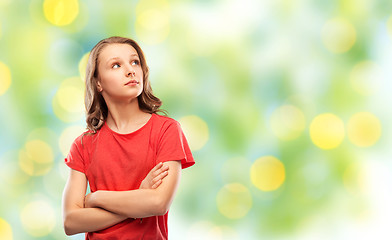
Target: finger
(156, 184)
(155, 169)
(158, 166)
(160, 176)
(165, 167)
(160, 170)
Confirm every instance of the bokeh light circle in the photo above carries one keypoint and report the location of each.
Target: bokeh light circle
(38, 218)
(68, 136)
(267, 173)
(61, 12)
(327, 131)
(36, 158)
(5, 230)
(364, 129)
(338, 35)
(366, 78)
(234, 200)
(5, 78)
(70, 98)
(287, 122)
(152, 24)
(68, 102)
(195, 130)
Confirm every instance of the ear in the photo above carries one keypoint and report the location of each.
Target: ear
(99, 87)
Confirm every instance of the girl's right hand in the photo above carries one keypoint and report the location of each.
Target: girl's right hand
(154, 177)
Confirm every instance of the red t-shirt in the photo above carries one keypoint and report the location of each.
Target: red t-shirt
(118, 162)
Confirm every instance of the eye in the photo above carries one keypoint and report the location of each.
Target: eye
(115, 65)
(135, 62)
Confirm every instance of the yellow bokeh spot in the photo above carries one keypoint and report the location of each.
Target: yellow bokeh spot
(152, 21)
(36, 158)
(68, 136)
(5, 78)
(366, 78)
(364, 129)
(287, 122)
(145, 5)
(68, 102)
(234, 200)
(61, 12)
(83, 65)
(5, 230)
(267, 173)
(70, 98)
(327, 131)
(195, 130)
(338, 35)
(38, 218)
(39, 151)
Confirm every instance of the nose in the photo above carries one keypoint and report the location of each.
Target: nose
(131, 73)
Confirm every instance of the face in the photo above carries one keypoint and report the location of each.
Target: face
(120, 75)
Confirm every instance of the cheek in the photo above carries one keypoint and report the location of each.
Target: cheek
(107, 79)
(141, 76)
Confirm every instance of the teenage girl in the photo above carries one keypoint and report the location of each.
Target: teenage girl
(130, 156)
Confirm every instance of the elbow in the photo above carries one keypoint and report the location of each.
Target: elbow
(68, 232)
(68, 229)
(161, 207)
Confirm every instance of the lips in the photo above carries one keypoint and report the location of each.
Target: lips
(132, 82)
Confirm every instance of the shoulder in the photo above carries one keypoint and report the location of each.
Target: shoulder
(164, 125)
(85, 138)
(165, 120)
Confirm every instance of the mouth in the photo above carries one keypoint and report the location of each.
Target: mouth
(132, 82)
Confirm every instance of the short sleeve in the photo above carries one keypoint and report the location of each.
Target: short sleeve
(173, 146)
(75, 159)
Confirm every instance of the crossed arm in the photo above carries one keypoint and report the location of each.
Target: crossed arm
(103, 209)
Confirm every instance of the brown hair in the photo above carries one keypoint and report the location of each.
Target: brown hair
(96, 108)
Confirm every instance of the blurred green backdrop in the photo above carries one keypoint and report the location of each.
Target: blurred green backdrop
(284, 103)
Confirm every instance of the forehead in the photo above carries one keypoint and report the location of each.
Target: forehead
(116, 50)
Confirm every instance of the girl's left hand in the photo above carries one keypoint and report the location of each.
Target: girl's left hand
(154, 177)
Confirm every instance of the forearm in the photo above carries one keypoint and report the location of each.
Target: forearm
(89, 220)
(138, 203)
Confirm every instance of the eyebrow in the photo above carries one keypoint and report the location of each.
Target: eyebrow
(114, 58)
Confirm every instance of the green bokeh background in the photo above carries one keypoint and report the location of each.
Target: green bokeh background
(231, 63)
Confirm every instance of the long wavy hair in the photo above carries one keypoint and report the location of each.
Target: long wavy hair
(96, 108)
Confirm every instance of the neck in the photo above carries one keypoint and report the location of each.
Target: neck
(124, 115)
